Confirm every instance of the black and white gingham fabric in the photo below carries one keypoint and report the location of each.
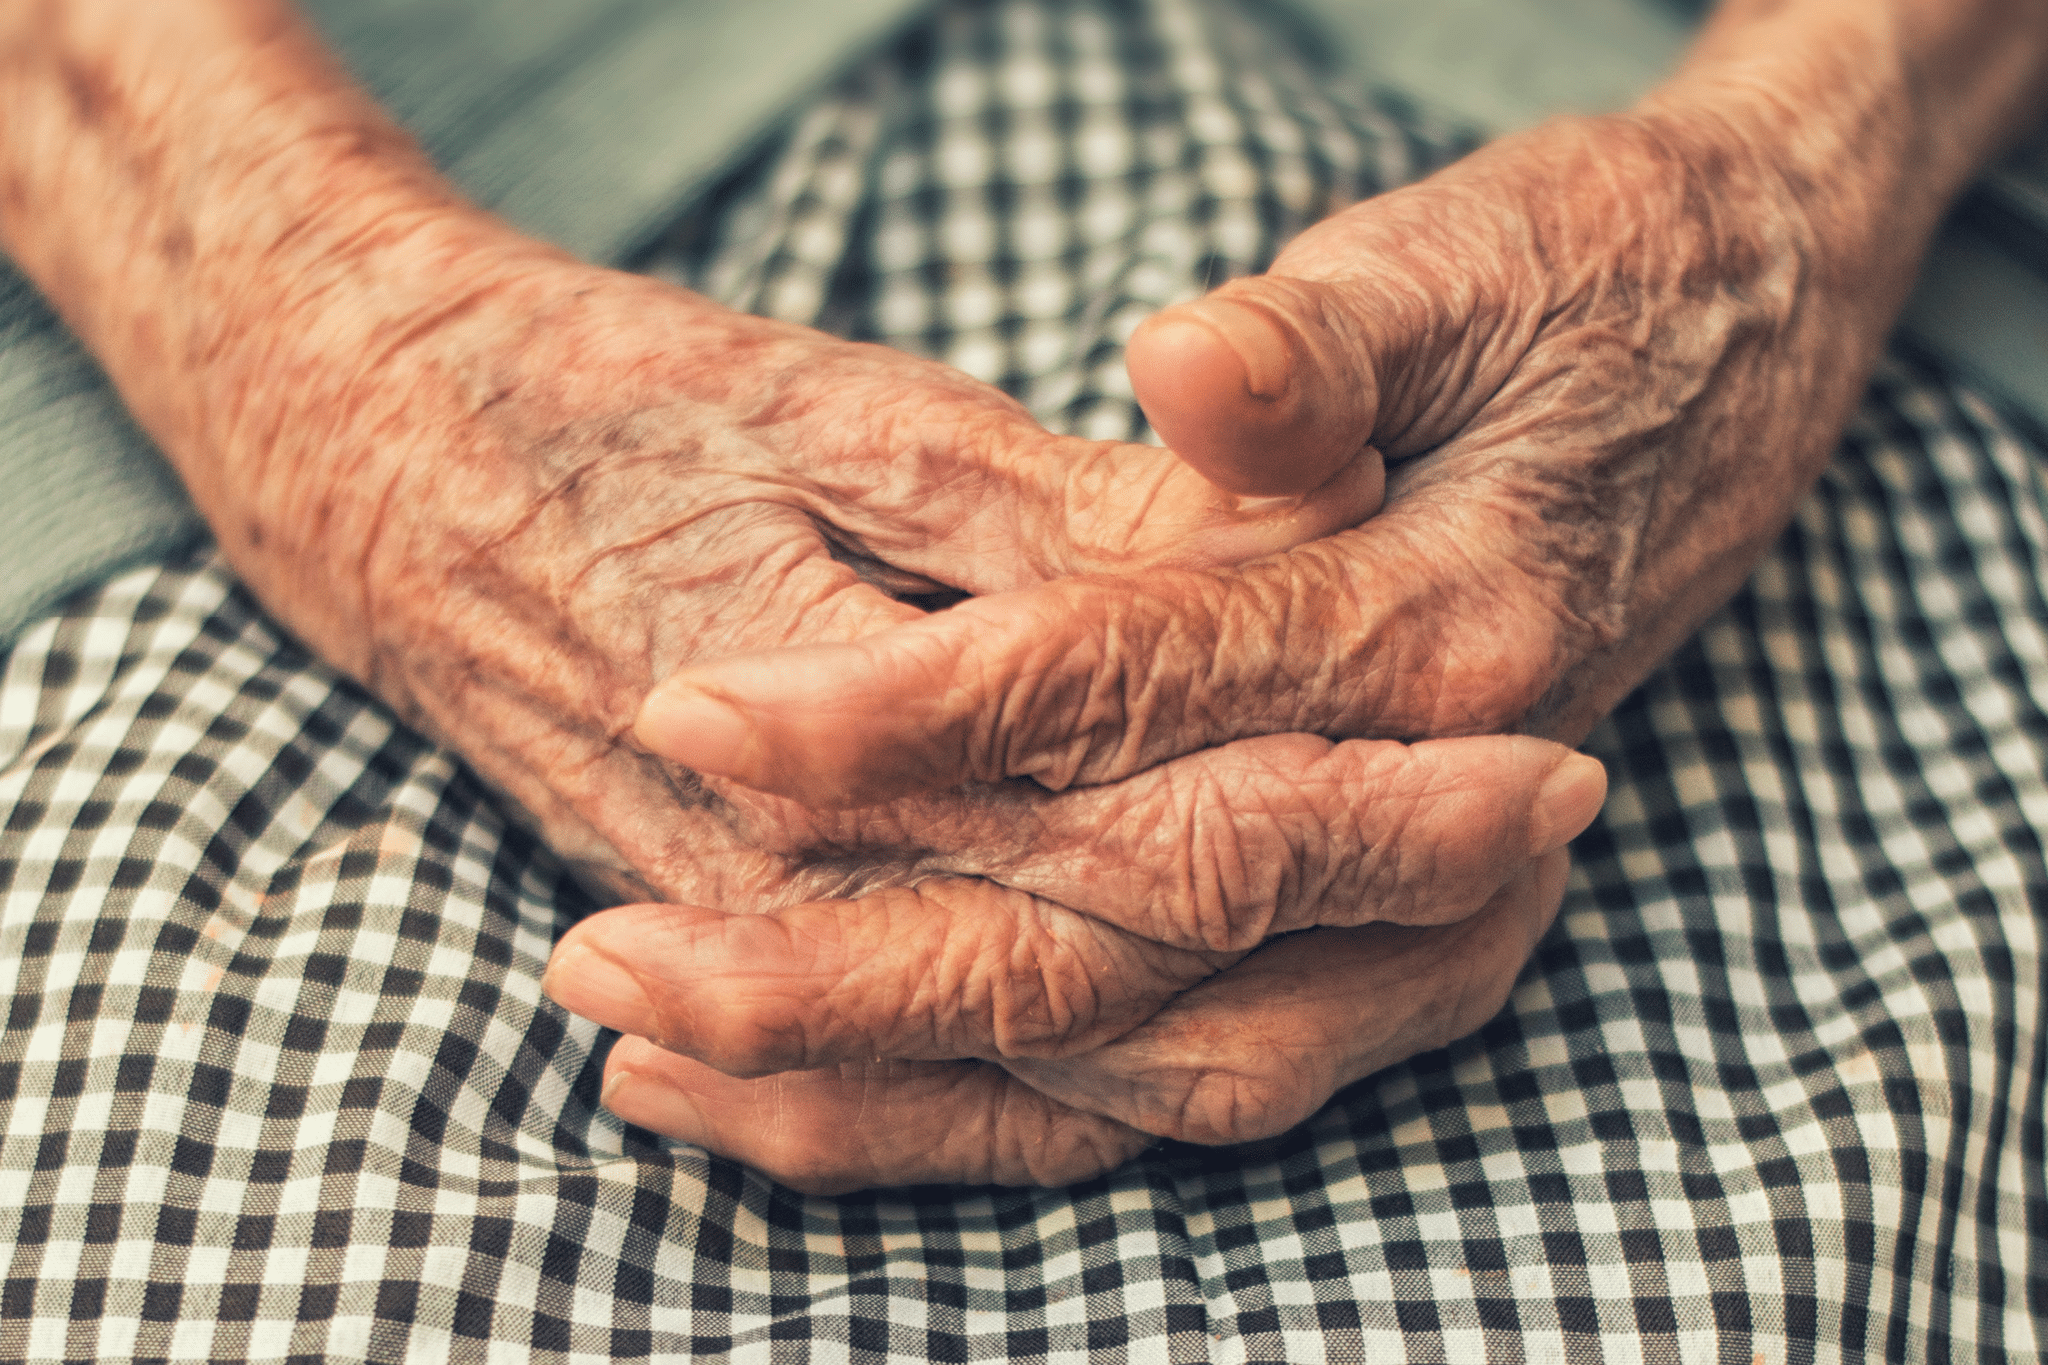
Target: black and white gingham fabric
(277, 1081)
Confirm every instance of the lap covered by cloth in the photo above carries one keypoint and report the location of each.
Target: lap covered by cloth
(277, 1079)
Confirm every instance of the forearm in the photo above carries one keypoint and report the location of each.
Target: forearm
(226, 220)
(1876, 113)
(1950, 79)
(175, 172)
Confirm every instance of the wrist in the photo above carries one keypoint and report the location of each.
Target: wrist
(1873, 115)
(190, 183)
(200, 190)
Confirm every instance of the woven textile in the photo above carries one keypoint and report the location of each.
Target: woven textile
(277, 1080)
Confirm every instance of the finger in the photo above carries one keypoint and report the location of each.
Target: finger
(1391, 630)
(1264, 386)
(1242, 1058)
(1257, 1049)
(1120, 507)
(880, 1124)
(948, 969)
(1063, 506)
(1220, 850)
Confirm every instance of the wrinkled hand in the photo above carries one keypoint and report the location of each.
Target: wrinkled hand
(1096, 1032)
(583, 481)
(511, 492)
(1607, 365)
(1609, 359)
(578, 482)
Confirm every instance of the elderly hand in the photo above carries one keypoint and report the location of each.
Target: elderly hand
(587, 481)
(1610, 355)
(509, 492)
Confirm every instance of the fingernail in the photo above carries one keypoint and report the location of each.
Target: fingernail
(1267, 357)
(594, 984)
(1566, 803)
(695, 729)
(611, 1086)
(654, 1104)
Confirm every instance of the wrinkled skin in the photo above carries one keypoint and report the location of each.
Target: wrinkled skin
(1246, 1054)
(1606, 358)
(579, 482)
(583, 481)
(510, 492)
(1139, 1039)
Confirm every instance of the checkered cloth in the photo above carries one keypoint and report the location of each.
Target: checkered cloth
(277, 1080)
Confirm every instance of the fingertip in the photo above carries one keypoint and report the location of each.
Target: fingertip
(1201, 393)
(587, 981)
(699, 729)
(643, 1087)
(1234, 385)
(1214, 350)
(830, 725)
(1567, 802)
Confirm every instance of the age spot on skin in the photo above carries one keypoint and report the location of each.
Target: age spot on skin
(176, 245)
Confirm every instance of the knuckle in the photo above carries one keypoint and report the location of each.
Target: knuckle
(1433, 854)
(1459, 657)
(1492, 678)
(1078, 681)
(1270, 835)
(1066, 984)
(1389, 866)
(1048, 1003)
(1074, 1147)
(1228, 888)
(1219, 1105)
(809, 1163)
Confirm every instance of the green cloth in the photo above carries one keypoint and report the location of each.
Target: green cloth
(1505, 64)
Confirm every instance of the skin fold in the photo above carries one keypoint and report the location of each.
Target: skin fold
(511, 493)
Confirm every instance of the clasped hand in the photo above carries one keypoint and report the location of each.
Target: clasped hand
(1154, 833)
(896, 968)
(515, 515)
(1569, 342)
(1150, 836)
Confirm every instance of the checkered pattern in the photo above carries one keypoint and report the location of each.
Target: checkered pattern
(1021, 184)
(277, 1081)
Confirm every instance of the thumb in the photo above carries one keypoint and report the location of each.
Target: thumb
(1264, 386)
